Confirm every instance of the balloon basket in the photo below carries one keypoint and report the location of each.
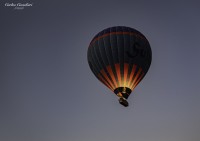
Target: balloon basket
(123, 102)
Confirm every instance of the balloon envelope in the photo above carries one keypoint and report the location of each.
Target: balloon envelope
(119, 57)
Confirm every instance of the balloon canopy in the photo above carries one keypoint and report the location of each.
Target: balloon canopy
(119, 57)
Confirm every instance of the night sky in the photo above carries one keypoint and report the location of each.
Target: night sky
(48, 92)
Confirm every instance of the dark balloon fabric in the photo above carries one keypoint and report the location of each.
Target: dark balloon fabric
(119, 57)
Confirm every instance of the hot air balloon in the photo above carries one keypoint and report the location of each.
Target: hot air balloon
(119, 57)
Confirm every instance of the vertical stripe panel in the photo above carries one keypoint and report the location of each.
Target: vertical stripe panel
(106, 76)
(131, 75)
(125, 74)
(109, 69)
(117, 68)
(136, 77)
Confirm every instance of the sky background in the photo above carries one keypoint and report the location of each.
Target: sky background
(48, 92)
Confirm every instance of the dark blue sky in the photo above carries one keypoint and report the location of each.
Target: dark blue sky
(48, 92)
